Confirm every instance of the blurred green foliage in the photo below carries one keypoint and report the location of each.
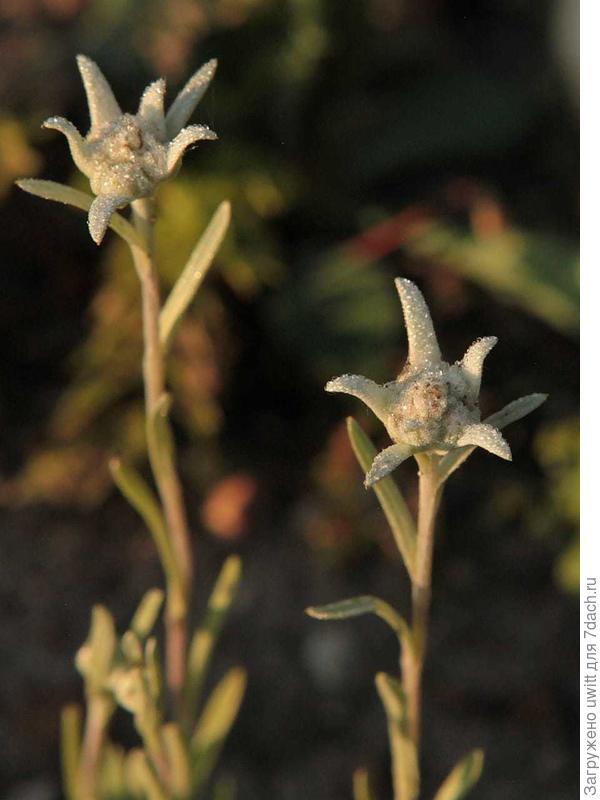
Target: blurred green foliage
(334, 119)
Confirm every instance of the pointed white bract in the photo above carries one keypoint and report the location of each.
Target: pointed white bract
(433, 406)
(386, 461)
(472, 363)
(151, 111)
(125, 156)
(100, 213)
(485, 436)
(102, 105)
(185, 138)
(373, 395)
(423, 348)
(188, 98)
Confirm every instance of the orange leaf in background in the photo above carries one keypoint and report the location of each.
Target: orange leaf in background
(226, 510)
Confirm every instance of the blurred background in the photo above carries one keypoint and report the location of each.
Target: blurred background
(359, 140)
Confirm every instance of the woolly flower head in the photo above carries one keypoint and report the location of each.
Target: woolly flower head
(432, 406)
(126, 155)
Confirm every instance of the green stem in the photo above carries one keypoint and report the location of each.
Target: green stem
(430, 492)
(161, 456)
(99, 710)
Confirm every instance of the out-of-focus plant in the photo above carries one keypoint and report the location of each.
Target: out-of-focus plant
(431, 411)
(125, 156)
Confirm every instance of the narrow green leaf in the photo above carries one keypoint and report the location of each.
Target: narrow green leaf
(462, 778)
(59, 193)
(215, 723)
(147, 613)
(133, 487)
(178, 759)
(70, 750)
(389, 496)
(516, 410)
(131, 648)
(161, 446)
(405, 766)
(510, 413)
(193, 273)
(154, 676)
(141, 778)
(94, 659)
(112, 773)
(365, 604)
(361, 785)
(205, 637)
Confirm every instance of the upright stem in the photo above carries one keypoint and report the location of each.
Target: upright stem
(99, 710)
(430, 492)
(161, 456)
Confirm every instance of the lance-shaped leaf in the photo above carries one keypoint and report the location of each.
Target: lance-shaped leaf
(161, 446)
(361, 785)
(405, 767)
(178, 760)
(112, 772)
(365, 604)
(70, 750)
(137, 492)
(193, 273)
(462, 778)
(147, 613)
(50, 190)
(95, 658)
(141, 778)
(510, 413)
(205, 637)
(423, 348)
(388, 494)
(131, 648)
(215, 723)
(516, 410)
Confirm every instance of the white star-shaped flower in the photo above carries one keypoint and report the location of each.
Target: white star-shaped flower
(432, 406)
(126, 155)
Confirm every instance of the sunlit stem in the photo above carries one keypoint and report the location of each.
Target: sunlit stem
(161, 458)
(430, 491)
(98, 713)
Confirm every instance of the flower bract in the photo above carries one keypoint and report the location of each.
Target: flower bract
(432, 406)
(126, 155)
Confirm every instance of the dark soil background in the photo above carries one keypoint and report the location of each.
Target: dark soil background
(359, 140)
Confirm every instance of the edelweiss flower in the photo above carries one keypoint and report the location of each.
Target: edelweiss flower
(126, 155)
(432, 406)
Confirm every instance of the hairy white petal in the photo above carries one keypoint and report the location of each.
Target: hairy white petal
(373, 395)
(472, 363)
(101, 100)
(77, 144)
(486, 436)
(186, 137)
(423, 349)
(386, 461)
(516, 410)
(100, 213)
(151, 110)
(188, 98)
